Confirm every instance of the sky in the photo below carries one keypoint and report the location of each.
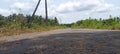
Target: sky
(67, 11)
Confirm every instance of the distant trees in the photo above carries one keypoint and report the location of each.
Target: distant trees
(2, 21)
(16, 24)
(21, 21)
(54, 21)
(111, 23)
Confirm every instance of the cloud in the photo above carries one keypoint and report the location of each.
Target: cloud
(21, 5)
(5, 12)
(99, 6)
(104, 8)
(73, 6)
(16, 6)
(56, 8)
(8, 0)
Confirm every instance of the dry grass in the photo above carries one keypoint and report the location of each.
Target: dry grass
(9, 32)
(18, 31)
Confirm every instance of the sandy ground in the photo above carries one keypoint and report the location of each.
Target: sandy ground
(67, 41)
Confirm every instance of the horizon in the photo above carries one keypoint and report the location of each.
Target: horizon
(71, 22)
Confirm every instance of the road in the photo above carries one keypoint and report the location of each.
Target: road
(67, 41)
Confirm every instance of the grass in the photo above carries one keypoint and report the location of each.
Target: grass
(18, 31)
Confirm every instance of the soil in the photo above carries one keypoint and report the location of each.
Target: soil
(67, 41)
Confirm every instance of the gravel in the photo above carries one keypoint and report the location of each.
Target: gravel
(67, 41)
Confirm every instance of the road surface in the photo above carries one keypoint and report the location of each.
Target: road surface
(68, 41)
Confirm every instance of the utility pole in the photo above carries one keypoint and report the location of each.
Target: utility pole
(46, 12)
(30, 20)
(36, 8)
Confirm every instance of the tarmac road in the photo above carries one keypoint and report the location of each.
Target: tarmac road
(67, 41)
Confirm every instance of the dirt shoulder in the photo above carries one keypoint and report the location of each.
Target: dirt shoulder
(26, 36)
(46, 33)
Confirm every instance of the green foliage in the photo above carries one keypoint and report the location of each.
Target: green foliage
(22, 21)
(111, 23)
(19, 24)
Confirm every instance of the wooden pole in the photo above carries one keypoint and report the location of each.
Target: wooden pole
(46, 12)
(30, 20)
(36, 8)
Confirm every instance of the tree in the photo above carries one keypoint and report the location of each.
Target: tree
(111, 23)
(1, 20)
(56, 21)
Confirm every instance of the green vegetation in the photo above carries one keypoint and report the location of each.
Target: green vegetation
(18, 23)
(113, 23)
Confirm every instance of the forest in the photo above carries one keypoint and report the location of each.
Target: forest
(18, 23)
(113, 23)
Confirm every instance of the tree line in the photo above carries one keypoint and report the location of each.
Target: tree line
(21, 21)
(111, 23)
(15, 24)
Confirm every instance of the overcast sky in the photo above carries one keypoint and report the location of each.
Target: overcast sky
(67, 11)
